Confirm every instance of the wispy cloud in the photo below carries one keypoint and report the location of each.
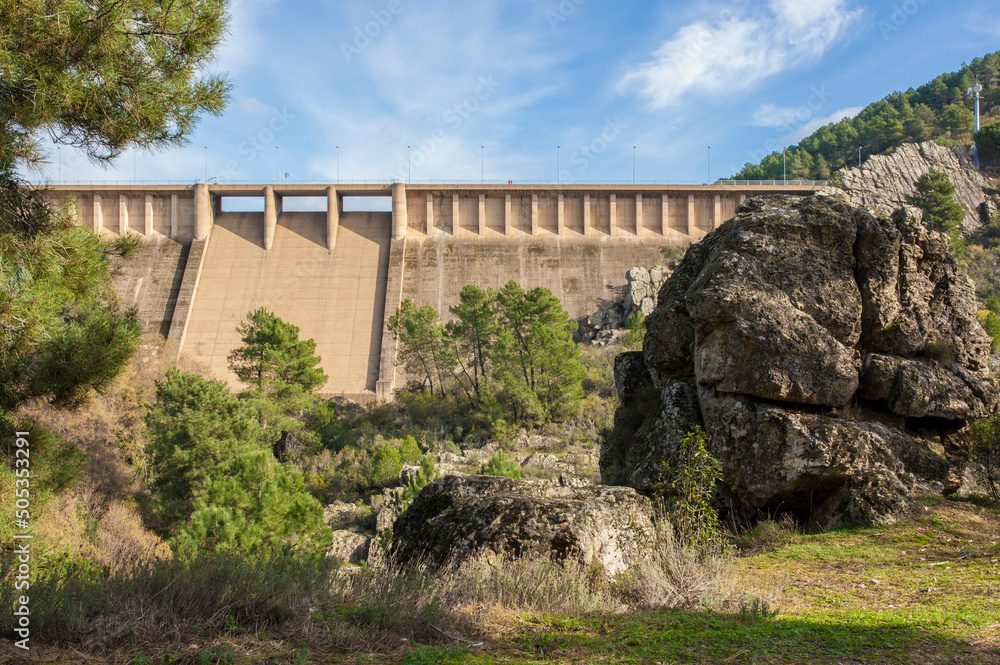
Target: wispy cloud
(739, 51)
(244, 44)
(814, 124)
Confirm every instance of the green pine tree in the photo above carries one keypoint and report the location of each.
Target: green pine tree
(104, 76)
(935, 195)
(472, 334)
(988, 141)
(216, 483)
(279, 370)
(423, 349)
(536, 356)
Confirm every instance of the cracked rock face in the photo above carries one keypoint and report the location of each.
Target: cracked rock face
(832, 357)
(457, 516)
(883, 182)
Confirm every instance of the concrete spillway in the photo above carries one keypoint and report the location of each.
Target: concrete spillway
(336, 298)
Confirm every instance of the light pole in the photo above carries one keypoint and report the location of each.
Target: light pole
(709, 164)
(338, 164)
(482, 164)
(135, 168)
(558, 166)
(859, 157)
(206, 164)
(633, 165)
(59, 152)
(974, 91)
(784, 177)
(409, 165)
(277, 162)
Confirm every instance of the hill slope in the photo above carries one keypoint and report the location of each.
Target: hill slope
(938, 110)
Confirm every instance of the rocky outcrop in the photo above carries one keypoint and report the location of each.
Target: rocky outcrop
(641, 289)
(455, 517)
(833, 358)
(883, 182)
(350, 540)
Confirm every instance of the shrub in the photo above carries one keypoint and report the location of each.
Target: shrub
(409, 450)
(687, 488)
(636, 326)
(501, 464)
(938, 351)
(766, 535)
(756, 610)
(387, 465)
(991, 324)
(675, 574)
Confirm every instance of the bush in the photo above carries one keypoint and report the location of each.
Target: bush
(636, 326)
(991, 324)
(766, 535)
(501, 464)
(687, 487)
(677, 574)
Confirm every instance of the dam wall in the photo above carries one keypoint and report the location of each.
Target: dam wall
(339, 275)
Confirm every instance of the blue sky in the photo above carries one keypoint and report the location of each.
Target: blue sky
(491, 88)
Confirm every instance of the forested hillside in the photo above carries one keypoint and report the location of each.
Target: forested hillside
(939, 110)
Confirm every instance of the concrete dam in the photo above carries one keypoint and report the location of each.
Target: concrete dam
(339, 275)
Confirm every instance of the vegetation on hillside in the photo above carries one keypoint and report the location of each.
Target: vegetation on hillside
(84, 74)
(938, 110)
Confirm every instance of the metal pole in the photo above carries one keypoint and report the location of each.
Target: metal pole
(135, 168)
(206, 164)
(709, 164)
(277, 162)
(338, 164)
(859, 157)
(975, 147)
(59, 152)
(482, 165)
(558, 166)
(784, 177)
(633, 165)
(409, 165)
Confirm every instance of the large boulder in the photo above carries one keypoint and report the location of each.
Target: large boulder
(457, 516)
(832, 357)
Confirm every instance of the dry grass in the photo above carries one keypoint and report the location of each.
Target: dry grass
(165, 604)
(678, 576)
(124, 545)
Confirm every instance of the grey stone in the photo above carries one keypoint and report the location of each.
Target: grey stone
(455, 517)
(769, 332)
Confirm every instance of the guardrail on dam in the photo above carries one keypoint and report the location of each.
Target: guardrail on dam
(339, 275)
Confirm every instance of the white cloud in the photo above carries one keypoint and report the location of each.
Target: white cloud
(770, 115)
(254, 105)
(737, 53)
(244, 44)
(814, 124)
